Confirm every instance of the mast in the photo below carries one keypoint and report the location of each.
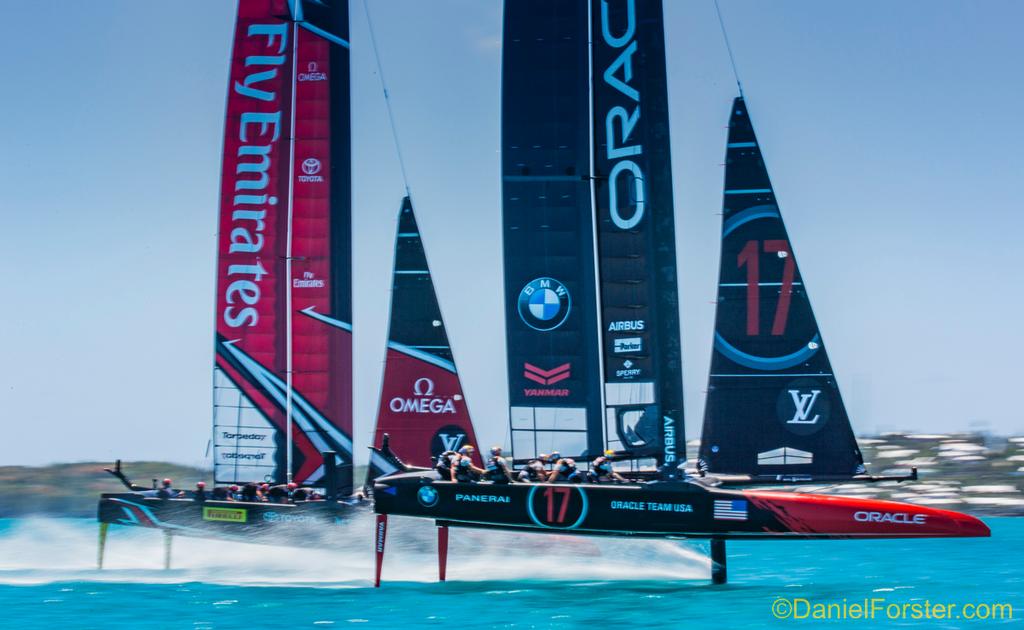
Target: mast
(283, 344)
(422, 406)
(636, 233)
(289, 360)
(773, 405)
(548, 232)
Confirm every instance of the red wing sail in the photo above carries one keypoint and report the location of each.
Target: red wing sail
(285, 206)
(422, 407)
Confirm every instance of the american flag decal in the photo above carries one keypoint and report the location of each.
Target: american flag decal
(730, 510)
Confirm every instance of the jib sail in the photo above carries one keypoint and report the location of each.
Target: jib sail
(548, 230)
(283, 343)
(773, 405)
(636, 232)
(422, 406)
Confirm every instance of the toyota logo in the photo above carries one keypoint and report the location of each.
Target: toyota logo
(311, 166)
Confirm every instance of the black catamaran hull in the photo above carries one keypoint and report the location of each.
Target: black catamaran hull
(235, 520)
(660, 509)
(663, 509)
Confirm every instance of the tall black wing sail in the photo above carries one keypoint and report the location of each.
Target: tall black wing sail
(550, 280)
(773, 405)
(643, 379)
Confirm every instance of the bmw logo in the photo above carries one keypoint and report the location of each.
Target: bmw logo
(427, 496)
(544, 304)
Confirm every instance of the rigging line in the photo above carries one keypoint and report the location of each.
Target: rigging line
(728, 47)
(387, 99)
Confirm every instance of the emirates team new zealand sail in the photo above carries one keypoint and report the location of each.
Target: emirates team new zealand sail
(592, 324)
(282, 378)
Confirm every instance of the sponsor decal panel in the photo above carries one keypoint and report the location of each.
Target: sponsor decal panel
(651, 506)
(312, 73)
(277, 517)
(628, 344)
(890, 517)
(804, 406)
(544, 304)
(482, 498)
(627, 325)
(628, 371)
(423, 400)
(669, 440)
(224, 515)
(551, 376)
(308, 281)
(311, 168)
(733, 510)
(427, 496)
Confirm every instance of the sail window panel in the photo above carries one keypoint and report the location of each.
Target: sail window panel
(618, 394)
(524, 446)
(568, 443)
(561, 418)
(229, 397)
(232, 473)
(521, 418)
(251, 417)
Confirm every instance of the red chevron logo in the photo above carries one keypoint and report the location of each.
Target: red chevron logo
(546, 377)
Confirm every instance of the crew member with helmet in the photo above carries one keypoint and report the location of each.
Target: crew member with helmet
(463, 469)
(565, 472)
(533, 472)
(166, 490)
(297, 493)
(444, 464)
(279, 493)
(200, 494)
(601, 471)
(549, 459)
(497, 467)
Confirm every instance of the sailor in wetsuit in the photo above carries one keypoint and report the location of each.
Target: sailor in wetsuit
(279, 493)
(167, 491)
(533, 472)
(549, 460)
(200, 493)
(565, 472)
(601, 471)
(463, 469)
(444, 464)
(497, 468)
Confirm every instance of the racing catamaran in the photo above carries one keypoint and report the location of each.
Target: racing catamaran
(594, 356)
(282, 378)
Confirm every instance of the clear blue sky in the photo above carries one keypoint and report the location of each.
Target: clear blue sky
(891, 130)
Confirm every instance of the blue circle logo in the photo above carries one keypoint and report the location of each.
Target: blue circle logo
(544, 304)
(427, 496)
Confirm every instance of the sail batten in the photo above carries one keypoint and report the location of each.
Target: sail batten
(773, 404)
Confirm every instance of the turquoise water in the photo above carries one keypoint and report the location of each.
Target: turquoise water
(48, 579)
